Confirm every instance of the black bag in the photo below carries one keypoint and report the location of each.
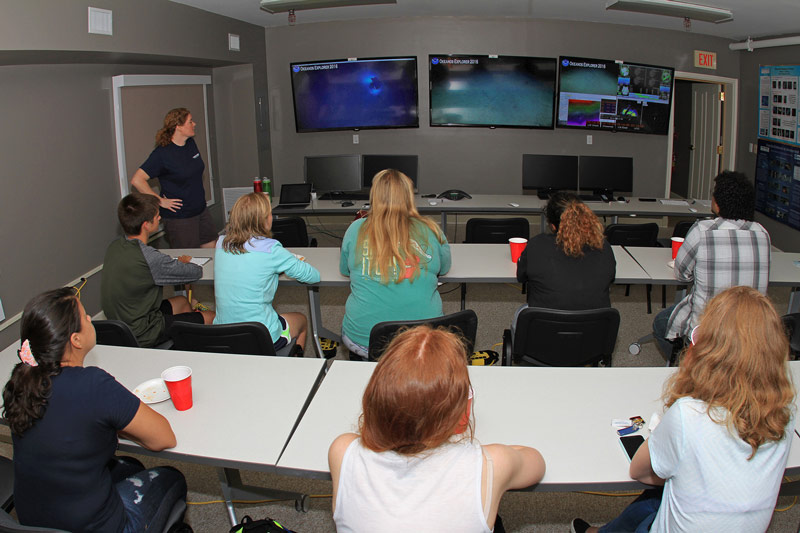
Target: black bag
(267, 525)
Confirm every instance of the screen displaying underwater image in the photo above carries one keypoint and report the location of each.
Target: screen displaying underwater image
(492, 91)
(357, 94)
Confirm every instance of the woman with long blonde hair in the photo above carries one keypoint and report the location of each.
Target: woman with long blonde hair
(414, 460)
(721, 448)
(247, 264)
(393, 257)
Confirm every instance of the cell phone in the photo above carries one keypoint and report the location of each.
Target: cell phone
(630, 444)
(647, 199)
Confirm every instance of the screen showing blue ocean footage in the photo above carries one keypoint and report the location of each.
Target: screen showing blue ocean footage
(492, 91)
(355, 94)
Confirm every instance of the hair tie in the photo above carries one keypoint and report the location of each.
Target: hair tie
(26, 355)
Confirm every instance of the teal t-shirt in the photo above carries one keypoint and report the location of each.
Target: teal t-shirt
(371, 301)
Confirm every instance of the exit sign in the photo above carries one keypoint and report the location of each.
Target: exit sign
(705, 59)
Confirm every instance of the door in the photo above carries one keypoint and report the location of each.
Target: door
(705, 139)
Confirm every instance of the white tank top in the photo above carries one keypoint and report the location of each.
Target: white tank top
(389, 492)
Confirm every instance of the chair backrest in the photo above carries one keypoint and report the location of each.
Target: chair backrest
(632, 234)
(682, 228)
(245, 338)
(463, 322)
(792, 324)
(114, 333)
(290, 232)
(9, 525)
(496, 230)
(554, 337)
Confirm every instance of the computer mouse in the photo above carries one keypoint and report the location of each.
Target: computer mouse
(512, 204)
(347, 204)
(433, 202)
(620, 198)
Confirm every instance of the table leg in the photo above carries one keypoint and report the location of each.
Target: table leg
(794, 301)
(317, 329)
(230, 480)
(443, 216)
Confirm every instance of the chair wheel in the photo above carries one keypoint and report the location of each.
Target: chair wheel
(301, 504)
(635, 348)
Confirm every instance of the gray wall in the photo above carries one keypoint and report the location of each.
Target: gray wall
(783, 236)
(57, 208)
(476, 160)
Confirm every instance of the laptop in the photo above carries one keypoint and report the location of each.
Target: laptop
(294, 196)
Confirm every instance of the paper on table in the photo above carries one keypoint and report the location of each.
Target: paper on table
(200, 260)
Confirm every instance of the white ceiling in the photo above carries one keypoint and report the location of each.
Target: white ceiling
(753, 18)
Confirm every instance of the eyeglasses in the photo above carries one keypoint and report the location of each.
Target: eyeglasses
(77, 288)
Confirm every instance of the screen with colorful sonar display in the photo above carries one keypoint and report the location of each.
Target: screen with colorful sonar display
(616, 96)
(492, 91)
(355, 94)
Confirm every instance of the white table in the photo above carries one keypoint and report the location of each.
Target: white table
(565, 413)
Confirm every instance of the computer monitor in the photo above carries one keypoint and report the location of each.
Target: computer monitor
(372, 164)
(603, 174)
(332, 173)
(547, 173)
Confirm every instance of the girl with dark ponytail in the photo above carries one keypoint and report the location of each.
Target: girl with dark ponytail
(573, 266)
(64, 421)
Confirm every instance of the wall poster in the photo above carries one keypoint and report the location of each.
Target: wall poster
(778, 103)
(778, 182)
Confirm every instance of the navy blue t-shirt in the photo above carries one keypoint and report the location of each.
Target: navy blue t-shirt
(179, 170)
(61, 478)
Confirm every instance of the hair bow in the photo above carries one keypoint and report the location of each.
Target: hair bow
(26, 355)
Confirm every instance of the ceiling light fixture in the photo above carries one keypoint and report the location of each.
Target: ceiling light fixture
(282, 6)
(673, 8)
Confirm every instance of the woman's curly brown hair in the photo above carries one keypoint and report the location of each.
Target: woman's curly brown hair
(576, 225)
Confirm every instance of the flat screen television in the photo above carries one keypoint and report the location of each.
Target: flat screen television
(549, 173)
(371, 164)
(616, 96)
(492, 91)
(333, 173)
(355, 94)
(605, 175)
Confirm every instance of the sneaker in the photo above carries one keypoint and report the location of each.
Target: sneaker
(329, 347)
(484, 358)
(199, 306)
(580, 526)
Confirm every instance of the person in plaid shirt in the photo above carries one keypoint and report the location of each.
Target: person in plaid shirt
(724, 252)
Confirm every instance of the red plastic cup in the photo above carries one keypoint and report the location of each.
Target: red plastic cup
(677, 242)
(463, 423)
(179, 384)
(517, 245)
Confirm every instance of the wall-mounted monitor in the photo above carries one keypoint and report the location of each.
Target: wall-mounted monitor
(549, 173)
(492, 91)
(605, 175)
(355, 94)
(617, 96)
(333, 173)
(374, 163)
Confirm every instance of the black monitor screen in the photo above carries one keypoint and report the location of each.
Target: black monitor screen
(372, 164)
(597, 173)
(549, 172)
(609, 95)
(355, 94)
(331, 173)
(493, 91)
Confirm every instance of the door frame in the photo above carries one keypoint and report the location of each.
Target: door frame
(729, 117)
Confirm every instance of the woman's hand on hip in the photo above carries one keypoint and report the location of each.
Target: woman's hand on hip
(173, 204)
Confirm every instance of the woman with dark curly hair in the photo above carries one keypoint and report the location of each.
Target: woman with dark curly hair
(64, 421)
(573, 266)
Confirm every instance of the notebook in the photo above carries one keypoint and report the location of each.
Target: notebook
(294, 195)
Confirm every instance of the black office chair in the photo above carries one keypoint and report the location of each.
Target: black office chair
(493, 231)
(554, 337)
(9, 525)
(634, 235)
(463, 322)
(117, 333)
(243, 338)
(291, 232)
(792, 324)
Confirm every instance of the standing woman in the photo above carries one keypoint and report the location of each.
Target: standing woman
(720, 449)
(65, 420)
(393, 257)
(177, 164)
(414, 465)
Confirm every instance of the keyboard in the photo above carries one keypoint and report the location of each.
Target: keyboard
(345, 195)
(590, 197)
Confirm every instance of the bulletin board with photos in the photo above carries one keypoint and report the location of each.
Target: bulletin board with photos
(778, 103)
(778, 182)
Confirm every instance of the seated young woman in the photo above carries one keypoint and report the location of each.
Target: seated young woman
(721, 447)
(247, 263)
(415, 464)
(393, 257)
(65, 419)
(573, 266)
